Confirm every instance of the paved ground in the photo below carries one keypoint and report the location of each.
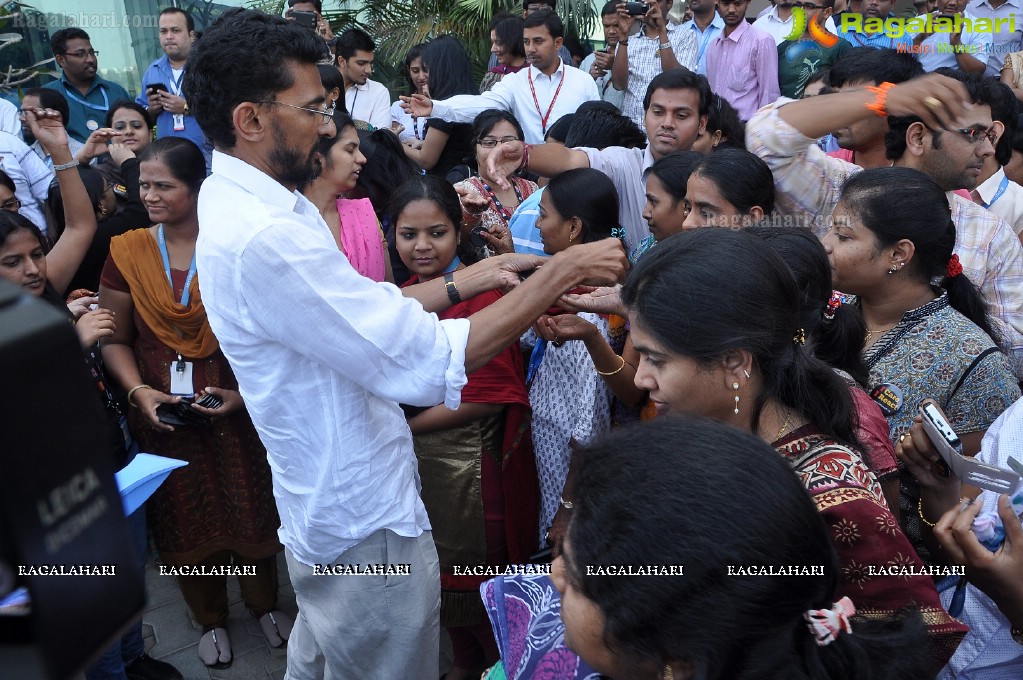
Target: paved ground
(173, 636)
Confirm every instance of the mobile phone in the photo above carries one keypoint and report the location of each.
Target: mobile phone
(307, 19)
(636, 9)
(159, 87)
(968, 470)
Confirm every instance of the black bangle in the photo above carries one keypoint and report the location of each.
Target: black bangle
(449, 284)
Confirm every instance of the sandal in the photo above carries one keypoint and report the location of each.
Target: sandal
(215, 648)
(276, 626)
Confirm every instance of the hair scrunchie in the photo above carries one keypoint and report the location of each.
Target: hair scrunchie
(832, 306)
(953, 268)
(826, 624)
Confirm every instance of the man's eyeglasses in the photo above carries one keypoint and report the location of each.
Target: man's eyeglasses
(975, 135)
(11, 205)
(491, 142)
(328, 114)
(82, 54)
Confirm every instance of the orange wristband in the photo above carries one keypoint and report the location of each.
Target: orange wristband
(878, 105)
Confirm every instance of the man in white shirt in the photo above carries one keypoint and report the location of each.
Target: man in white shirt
(366, 100)
(942, 49)
(323, 355)
(598, 63)
(778, 22)
(31, 177)
(9, 118)
(994, 190)
(660, 46)
(537, 96)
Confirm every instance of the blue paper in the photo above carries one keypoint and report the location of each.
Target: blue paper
(142, 477)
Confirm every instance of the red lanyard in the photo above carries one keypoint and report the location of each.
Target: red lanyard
(545, 118)
(504, 212)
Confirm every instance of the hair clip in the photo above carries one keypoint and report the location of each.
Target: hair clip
(800, 337)
(834, 302)
(954, 268)
(826, 624)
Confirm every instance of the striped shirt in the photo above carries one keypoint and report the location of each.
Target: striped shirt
(809, 184)
(743, 68)
(645, 63)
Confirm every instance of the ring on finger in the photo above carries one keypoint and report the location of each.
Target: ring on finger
(933, 103)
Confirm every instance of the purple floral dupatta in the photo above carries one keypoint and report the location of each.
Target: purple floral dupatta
(525, 612)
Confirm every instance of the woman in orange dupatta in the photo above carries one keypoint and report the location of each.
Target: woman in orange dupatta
(219, 510)
(476, 463)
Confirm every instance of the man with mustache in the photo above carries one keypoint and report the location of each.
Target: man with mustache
(537, 96)
(89, 96)
(875, 9)
(742, 61)
(323, 355)
(936, 131)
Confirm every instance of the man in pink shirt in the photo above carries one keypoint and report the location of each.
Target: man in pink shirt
(742, 61)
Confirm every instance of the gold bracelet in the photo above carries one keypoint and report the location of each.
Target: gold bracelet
(600, 372)
(920, 511)
(133, 391)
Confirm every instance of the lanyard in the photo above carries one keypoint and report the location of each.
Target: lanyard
(545, 118)
(504, 212)
(415, 127)
(95, 107)
(707, 33)
(176, 84)
(453, 266)
(998, 194)
(351, 111)
(162, 243)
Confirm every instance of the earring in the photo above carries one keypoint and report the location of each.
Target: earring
(735, 386)
(745, 373)
(893, 269)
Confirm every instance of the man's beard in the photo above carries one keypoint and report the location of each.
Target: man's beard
(289, 165)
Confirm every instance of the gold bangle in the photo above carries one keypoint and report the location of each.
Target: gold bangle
(920, 511)
(133, 391)
(600, 372)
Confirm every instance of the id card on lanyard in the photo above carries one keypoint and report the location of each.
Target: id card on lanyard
(175, 87)
(180, 370)
(90, 123)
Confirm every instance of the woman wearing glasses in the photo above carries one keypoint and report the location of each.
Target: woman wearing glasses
(485, 230)
(8, 200)
(126, 124)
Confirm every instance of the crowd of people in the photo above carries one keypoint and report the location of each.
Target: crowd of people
(669, 307)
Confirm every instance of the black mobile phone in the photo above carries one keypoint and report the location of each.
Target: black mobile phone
(307, 19)
(636, 9)
(156, 86)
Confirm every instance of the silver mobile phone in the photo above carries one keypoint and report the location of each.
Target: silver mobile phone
(968, 470)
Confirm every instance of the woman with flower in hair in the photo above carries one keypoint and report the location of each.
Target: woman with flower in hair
(892, 244)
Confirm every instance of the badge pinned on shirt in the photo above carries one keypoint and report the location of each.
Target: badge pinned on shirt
(92, 125)
(888, 397)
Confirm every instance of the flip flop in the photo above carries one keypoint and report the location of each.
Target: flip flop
(276, 626)
(215, 649)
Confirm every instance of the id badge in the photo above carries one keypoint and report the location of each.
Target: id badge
(179, 122)
(181, 378)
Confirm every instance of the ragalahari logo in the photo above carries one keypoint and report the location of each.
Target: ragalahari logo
(801, 25)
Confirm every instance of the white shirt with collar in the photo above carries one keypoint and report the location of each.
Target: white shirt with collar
(9, 120)
(1007, 203)
(625, 167)
(780, 30)
(1003, 41)
(31, 177)
(323, 357)
(370, 103)
(703, 39)
(514, 93)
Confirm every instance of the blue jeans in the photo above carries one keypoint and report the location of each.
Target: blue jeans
(111, 665)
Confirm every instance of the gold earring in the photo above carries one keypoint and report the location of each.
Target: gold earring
(735, 386)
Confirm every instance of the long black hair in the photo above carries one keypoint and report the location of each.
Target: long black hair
(742, 628)
(705, 292)
(450, 71)
(589, 195)
(838, 340)
(415, 52)
(901, 203)
(742, 178)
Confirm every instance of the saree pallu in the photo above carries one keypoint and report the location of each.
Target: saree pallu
(362, 241)
(868, 539)
(479, 481)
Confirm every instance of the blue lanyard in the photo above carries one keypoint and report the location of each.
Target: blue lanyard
(998, 194)
(176, 84)
(162, 243)
(703, 43)
(95, 107)
(453, 266)
(535, 359)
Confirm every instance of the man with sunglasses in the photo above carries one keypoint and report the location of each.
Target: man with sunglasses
(801, 58)
(89, 96)
(938, 125)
